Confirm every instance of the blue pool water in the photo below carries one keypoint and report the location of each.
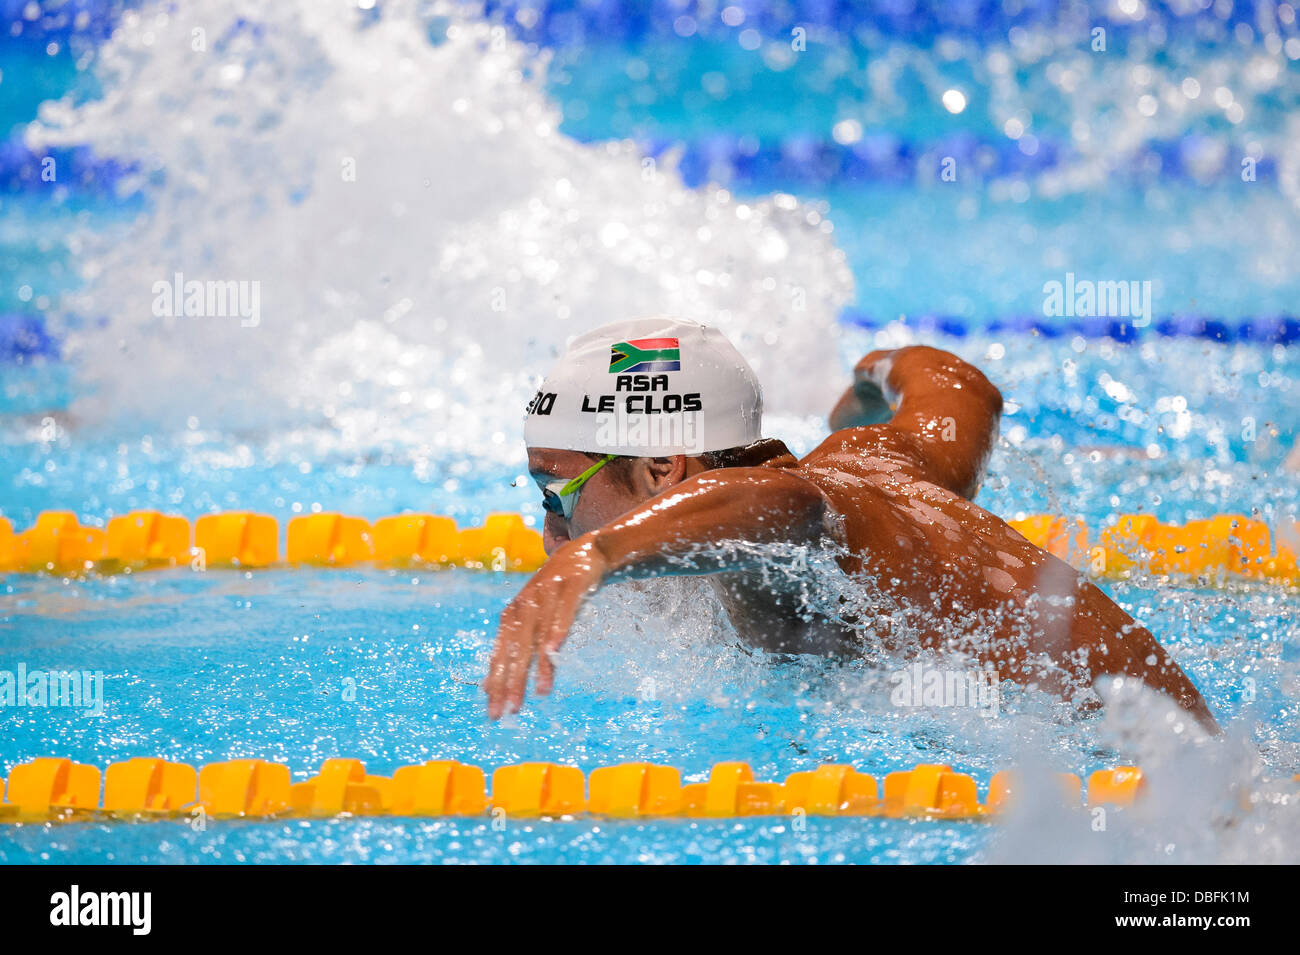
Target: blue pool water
(407, 311)
(224, 666)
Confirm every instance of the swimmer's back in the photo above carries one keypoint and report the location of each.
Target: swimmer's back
(914, 435)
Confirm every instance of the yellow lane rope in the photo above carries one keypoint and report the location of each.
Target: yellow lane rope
(1211, 551)
(55, 789)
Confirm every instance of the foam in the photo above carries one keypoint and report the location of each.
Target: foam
(426, 296)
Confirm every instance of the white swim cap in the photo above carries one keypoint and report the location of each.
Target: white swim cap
(647, 387)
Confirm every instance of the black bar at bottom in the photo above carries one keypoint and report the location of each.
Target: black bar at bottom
(296, 904)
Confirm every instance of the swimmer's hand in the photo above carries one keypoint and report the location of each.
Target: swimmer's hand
(878, 382)
(668, 534)
(862, 404)
(537, 621)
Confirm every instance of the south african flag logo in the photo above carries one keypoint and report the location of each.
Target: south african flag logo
(645, 354)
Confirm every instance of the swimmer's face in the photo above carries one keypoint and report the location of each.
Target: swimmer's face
(613, 490)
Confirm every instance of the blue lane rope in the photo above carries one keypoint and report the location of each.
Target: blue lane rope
(1264, 330)
(24, 336)
(739, 160)
(570, 23)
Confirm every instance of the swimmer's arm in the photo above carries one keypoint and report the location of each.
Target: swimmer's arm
(945, 406)
(1117, 645)
(673, 533)
(661, 537)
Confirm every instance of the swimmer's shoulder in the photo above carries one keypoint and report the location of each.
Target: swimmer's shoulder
(763, 453)
(865, 448)
(856, 459)
(848, 443)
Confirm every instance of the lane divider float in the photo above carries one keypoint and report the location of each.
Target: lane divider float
(142, 540)
(1215, 550)
(56, 789)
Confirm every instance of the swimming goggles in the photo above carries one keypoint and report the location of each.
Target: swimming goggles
(561, 497)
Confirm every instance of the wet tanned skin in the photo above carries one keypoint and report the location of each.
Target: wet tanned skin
(892, 485)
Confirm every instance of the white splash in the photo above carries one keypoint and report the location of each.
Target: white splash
(424, 238)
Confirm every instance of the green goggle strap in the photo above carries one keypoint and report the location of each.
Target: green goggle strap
(582, 478)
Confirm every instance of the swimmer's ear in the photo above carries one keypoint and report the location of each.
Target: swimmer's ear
(654, 475)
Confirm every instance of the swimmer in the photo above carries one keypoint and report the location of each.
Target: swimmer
(646, 443)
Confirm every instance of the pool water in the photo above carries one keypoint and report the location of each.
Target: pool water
(301, 666)
(496, 210)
